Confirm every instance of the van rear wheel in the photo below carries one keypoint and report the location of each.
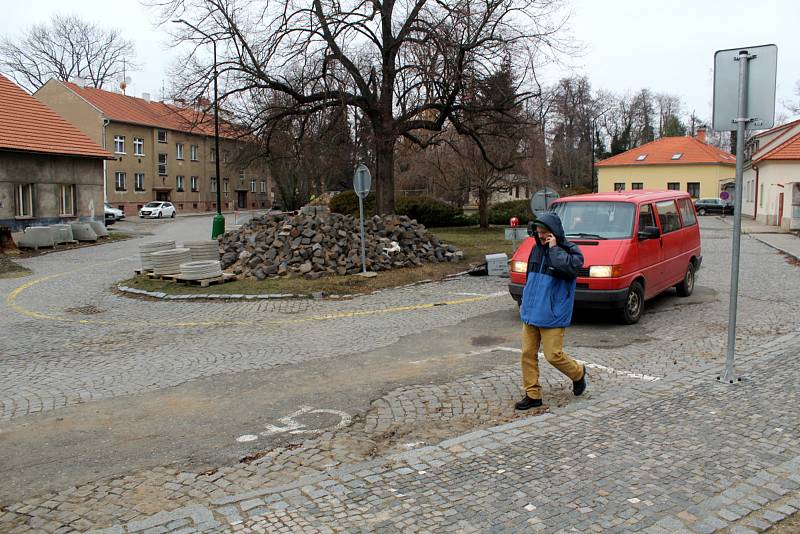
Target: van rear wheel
(686, 287)
(634, 304)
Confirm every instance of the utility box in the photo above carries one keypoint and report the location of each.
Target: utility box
(497, 264)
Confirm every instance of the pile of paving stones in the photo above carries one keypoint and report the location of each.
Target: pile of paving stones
(318, 245)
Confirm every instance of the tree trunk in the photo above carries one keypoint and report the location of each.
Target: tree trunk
(384, 175)
(483, 208)
(6, 242)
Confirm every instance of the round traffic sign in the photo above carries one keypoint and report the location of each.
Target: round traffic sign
(514, 222)
(724, 195)
(542, 200)
(362, 181)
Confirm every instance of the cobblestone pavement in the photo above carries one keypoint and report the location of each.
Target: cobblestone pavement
(657, 445)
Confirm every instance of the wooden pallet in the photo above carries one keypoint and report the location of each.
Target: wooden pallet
(168, 277)
(205, 282)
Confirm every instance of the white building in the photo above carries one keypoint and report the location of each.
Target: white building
(771, 180)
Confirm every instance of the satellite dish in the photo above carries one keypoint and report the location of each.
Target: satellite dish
(542, 200)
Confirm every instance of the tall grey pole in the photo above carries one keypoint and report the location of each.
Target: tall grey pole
(363, 249)
(729, 374)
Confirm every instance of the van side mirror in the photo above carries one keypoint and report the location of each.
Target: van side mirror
(649, 232)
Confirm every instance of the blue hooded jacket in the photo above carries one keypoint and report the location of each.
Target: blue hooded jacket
(549, 293)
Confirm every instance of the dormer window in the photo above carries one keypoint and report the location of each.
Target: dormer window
(641, 157)
(677, 155)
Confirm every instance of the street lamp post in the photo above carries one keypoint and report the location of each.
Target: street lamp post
(218, 226)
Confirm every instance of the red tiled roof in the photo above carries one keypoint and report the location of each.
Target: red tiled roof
(27, 125)
(789, 149)
(660, 152)
(132, 110)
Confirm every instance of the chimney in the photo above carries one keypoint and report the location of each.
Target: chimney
(701, 134)
(79, 81)
(146, 97)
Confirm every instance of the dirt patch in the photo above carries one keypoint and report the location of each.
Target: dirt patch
(9, 269)
(790, 525)
(486, 341)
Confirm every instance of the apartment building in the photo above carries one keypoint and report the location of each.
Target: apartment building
(161, 151)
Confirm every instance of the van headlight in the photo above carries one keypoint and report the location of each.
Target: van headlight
(519, 266)
(605, 271)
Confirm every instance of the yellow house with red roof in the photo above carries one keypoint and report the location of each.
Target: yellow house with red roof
(50, 171)
(772, 177)
(679, 163)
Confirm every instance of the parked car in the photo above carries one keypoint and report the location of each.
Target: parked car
(110, 217)
(118, 213)
(712, 205)
(157, 209)
(635, 245)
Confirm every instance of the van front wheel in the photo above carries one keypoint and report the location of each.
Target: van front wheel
(686, 287)
(634, 304)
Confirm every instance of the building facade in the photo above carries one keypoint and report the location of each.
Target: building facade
(679, 163)
(771, 178)
(162, 151)
(50, 171)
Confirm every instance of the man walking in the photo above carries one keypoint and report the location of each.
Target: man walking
(546, 308)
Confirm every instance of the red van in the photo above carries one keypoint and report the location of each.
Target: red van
(635, 245)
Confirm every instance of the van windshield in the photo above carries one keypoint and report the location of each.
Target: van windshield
(599, 220)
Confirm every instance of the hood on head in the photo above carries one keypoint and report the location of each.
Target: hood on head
(553, 223)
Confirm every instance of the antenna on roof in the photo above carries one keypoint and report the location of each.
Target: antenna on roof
(126, 80)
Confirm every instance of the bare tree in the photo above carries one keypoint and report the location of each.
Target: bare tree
(405, 65)
(67, 47)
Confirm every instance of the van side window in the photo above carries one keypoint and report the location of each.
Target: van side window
(687, 212)
(668, 216)
(646, 217)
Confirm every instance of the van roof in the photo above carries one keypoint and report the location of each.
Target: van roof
(637, 195)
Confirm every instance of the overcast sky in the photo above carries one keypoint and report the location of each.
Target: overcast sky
(629, 44)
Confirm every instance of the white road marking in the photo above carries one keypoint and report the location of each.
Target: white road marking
(291, 426)
(246, 438)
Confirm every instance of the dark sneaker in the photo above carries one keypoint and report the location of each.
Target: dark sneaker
(580, 386)
(527, 403)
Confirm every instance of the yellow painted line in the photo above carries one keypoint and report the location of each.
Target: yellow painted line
(11, 301)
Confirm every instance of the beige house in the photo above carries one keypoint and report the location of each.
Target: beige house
(679, 163)
(50, 172)
(771, 180)
(161, 151)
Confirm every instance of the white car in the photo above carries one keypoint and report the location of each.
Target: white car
(118, 213)
(157, 210)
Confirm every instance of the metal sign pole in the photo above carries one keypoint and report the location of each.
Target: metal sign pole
(729, 375)
(363, 251)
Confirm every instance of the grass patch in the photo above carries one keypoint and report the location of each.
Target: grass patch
(9, 269)
(474, 242)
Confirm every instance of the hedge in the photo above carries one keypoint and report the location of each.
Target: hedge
(427, 211)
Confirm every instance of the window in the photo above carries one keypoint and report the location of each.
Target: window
(138, 181)
(641, 157)
(67, 200)
(241, 175)
(138, 146)
(193, 152)
(224, 185)
(119, 144)
(687, 212)
(162, 136)
(213, 154)
(178, 150)
(693, 188)
(608, 220)
(252, 186)
(637, 186)
(213, 185)
(619, 186)
(179, 183)
(646, 217)
(677, 155)
(674, 186)
(668, 216)
(162, 164)
(193, 183)
(23, 198)
(263, 186)
(120, 181)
